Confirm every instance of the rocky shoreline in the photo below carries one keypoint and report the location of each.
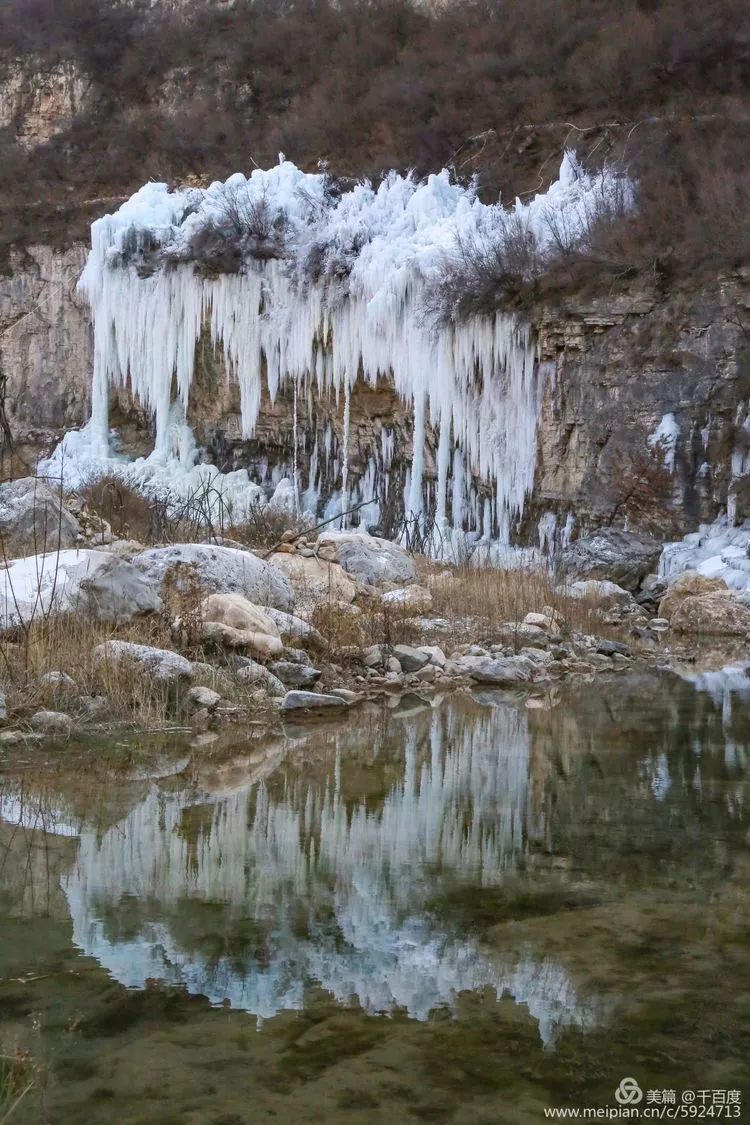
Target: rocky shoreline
(102, 632)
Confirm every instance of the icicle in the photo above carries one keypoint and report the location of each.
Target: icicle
(444, 454)
(295, 478)
(479, 380)
(345, 456)
(415, 503)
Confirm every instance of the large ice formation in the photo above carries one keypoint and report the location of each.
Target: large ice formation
(323, 289)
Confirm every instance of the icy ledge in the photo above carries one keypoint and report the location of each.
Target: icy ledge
(715, 550)
(328, 289)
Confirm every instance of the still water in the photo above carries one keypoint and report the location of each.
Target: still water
(466, 912)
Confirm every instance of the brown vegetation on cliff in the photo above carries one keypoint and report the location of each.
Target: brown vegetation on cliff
(494, 88)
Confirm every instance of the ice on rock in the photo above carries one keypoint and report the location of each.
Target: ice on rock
(664, 440)
(359, 315)
(716, 550)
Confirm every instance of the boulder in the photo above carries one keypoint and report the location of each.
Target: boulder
(607, 647)
(502, 672)
(52, 722)
(32, 519)
(689, 584)
(435, 654)
(543, 621)
(410, 659)
(204, 697)
(217, 570)
(314, 580)
(608, 593)
(158, 663)
(295, 675)
(114, 590)
(516, 633)
(713, 614)
(94, 583)
(293, 628)
(232, 620)
(59, 682)
(312, 701)
(412, 599)
(372, 657)
(623, 557)
(378, 562)
(255, 675)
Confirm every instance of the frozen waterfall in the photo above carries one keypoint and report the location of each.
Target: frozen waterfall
(358, 314)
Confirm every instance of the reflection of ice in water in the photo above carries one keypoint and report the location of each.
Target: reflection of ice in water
(360, 879)
(726, 686)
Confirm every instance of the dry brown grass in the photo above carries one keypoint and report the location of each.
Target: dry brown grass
(477, 602)
(66, 644)
(368, 623)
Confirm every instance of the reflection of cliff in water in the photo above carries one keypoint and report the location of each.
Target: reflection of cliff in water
(336, 867)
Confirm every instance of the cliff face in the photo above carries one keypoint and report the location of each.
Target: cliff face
(618, 366)
(613, 368)
(45, 345)
(39, 100)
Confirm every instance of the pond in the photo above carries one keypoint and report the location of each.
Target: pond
(470, 911)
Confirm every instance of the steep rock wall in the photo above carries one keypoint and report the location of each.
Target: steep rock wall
(613, 368)
(619, 365)
(45, 345)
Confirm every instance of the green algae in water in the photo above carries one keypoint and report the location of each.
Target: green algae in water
(464, 914)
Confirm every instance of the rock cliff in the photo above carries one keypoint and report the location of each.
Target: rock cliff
(613, 368)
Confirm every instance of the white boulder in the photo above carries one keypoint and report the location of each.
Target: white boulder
(94, 583)
(159, 663)
(218, 570)
(378, 562)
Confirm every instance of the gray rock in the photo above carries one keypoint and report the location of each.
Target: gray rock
(410, 659)
(378, 562)
(623, 557)
(393, 666)
(52, 722)
(598, 590)
(255, 675)
(218, 570)
(517, 633)
(204, 697)
(116, 591)
(607, 647)
(59, 681)
(372, 657)
(501, 672)
(294, 628)
(348, 696)
(3, 708)
(295, 675)
(312, 701)
(158, 663)
(33, 521)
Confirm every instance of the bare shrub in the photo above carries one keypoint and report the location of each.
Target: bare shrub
(128, 512)
(266, 527)
(643, 491)
(497, 266)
